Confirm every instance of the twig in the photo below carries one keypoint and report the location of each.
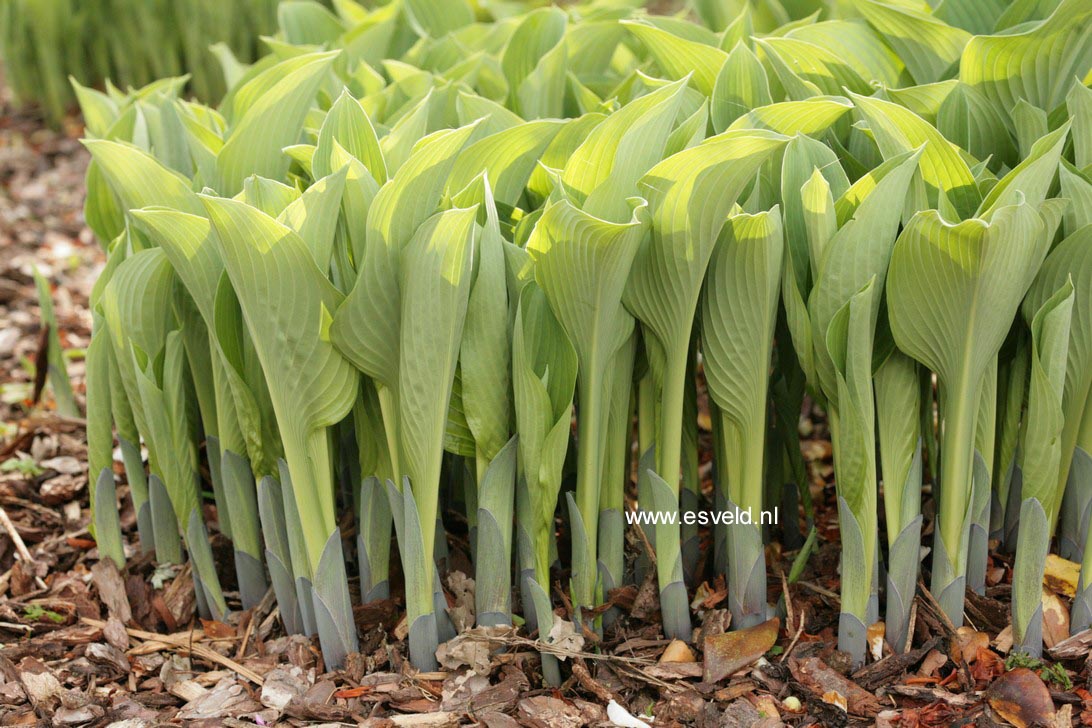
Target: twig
(820, 590)
(580, 672)
(957, 700)
(795, 638)
(184, 644)
(554, 649)
(912, 624)
(790, 617)
(946, 623)
(642, 535)
(20, 547)
(255, 615)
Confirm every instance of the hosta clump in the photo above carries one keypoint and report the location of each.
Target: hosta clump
(422, 260)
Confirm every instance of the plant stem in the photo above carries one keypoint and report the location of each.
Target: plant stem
(960, 405)
(673, 604)
(589, 424)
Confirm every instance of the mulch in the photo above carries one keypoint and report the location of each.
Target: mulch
(84, 645)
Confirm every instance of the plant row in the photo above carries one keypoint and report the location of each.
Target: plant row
(418, 250)
(43, 43)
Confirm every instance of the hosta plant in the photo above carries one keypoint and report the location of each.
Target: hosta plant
(431, 257)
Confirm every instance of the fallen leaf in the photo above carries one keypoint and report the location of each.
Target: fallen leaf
(1003, 642)
(281, 685)
(426, 720)
(767, 706)
(563, 634)
(1055, 619)
(1061, 575)
(987, 667)
(217, 630)
(730, 652)
(833, 697)
(619, 716)
(543, 711)
(967, 643)
(876, 633)
(473, 648)
(889, 719)
(932, 663)
(1021, 698)
(677, 651)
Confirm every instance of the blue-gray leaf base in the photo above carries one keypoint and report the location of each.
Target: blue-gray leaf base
(979, 543)
(1076, 515)
(138, 483)
(216, 476)
(423, 642)
(205, 579)
(107, 522)
(852, 638)
(947, 587)
(746, 574)
(374, 519)
(611, 556)
(1012, 508)
(493, 586)
(674, 604)
(251, 575)
(168, 543)
(306, 604)
(369, 592)
(691, 546)
(539, 605)
(582, 563)
(1081, 617)
(284, 589)
(332, 607)
(1031, 644)
(902, 580)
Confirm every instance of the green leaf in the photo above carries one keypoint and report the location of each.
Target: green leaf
(739, 310)
(544, 367)
(929, 47)
(678, 57)
(813, 116)
(1069, 263)
(1042, 444)
(972, 121)
(365, 328)
(287, 303)
(952, 292)
(603, 171)
(58, 371)
(508, 157)
(347, 124)
(270, 111)
(738, 314)
(1037, 64)
(741, 85)
(686, 220)
(1030, 180)
(435, 278)
(899, 130)
(817, 65)
(485, 353)
(858, 253)
(437, 18)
